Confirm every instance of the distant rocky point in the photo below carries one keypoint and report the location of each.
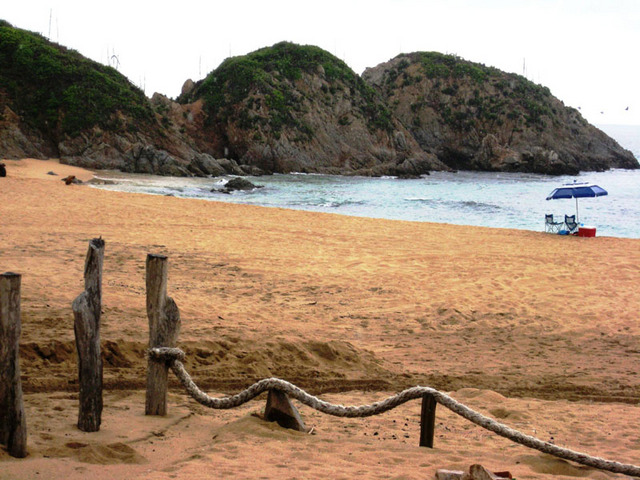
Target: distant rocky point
(474, 117)
(291, 108)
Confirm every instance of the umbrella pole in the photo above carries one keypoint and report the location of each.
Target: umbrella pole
(577, 214)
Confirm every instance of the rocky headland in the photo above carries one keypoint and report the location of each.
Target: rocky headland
(474, 117)
(56, 103)
(291, 108)
(298, 108)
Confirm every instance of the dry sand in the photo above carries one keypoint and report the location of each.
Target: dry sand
(538, 331)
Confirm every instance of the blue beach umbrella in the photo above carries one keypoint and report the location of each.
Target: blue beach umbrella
(577, 190)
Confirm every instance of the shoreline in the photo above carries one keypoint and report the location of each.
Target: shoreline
(500, 320)
(428, 200)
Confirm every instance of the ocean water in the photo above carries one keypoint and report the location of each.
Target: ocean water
(626, 135)
(502, 200)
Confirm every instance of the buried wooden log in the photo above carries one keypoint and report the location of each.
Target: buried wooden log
(164, 327)
(86, 312)
(427, 420)
(280, 409)
(13, 423)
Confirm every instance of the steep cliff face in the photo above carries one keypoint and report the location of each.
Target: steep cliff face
(479, 118)
(297, 108)
(56, 103)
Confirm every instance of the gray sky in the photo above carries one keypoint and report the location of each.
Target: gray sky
(585, 51)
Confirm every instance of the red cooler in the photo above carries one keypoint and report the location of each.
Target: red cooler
(587, 231)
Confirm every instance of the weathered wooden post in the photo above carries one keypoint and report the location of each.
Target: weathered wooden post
(164, 326)
(86, 311)
(13, 423)
(280, 409)
(427, 420)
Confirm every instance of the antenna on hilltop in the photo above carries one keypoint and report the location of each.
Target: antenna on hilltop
(113, 59)
(50, 15)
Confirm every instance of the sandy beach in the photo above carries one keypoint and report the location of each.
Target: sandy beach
(538, 331)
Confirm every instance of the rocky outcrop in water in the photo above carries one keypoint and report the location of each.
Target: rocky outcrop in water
(237, 183)
(479, 118)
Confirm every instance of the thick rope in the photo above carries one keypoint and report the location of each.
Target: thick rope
(172, 357)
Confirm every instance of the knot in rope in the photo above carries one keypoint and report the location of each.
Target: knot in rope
(167, 354)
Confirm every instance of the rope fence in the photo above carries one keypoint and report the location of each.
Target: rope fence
(173, 358)
(164, 323)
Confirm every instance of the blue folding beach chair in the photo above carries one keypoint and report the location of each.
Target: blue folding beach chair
(571, 224)
(550, 226)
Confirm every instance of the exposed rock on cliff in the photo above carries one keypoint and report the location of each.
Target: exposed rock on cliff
(479, 118)
(298, 108)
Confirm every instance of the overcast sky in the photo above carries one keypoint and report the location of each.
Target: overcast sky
(585, 51)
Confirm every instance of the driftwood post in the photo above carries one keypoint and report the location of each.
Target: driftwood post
(86, 311)
(427, 420)
(280, 409)
(13, 423)
(164, 326)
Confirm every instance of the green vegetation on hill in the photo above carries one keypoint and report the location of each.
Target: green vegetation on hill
(292, 108)
(480, 118)
(510, 98)
(239, 85)
(58, 91)
(436, 64)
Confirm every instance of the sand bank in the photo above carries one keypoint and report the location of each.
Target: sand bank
(330, 303)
